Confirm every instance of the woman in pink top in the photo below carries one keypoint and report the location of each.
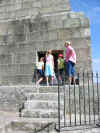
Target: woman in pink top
(70, 61)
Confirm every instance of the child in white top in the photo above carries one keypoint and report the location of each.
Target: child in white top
(40, 70)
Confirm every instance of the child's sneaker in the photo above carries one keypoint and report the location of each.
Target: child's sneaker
(47, 84)
(37, 84)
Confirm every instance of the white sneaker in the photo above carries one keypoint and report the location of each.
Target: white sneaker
(37, 84)
(47, 84)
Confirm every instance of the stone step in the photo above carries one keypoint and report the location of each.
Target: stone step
(29, 125)
(44, 96)
(40, 113)
(49, 89)
(40, 89)
(32, 88)
(54, 89)
(41, 104)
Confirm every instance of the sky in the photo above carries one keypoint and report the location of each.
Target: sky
(91, 9)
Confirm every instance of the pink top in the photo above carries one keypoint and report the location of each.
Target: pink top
(72, 57)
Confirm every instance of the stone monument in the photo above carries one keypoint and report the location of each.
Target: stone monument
(28, 28)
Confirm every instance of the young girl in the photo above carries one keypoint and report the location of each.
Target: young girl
(60, 67)
(49, 67)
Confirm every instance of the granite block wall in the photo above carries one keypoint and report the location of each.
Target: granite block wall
(30, 26)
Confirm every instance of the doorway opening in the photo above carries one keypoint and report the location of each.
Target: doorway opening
(55, 54)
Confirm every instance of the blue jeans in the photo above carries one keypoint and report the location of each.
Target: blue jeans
(70, 68)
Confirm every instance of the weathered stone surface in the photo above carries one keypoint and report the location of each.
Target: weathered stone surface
(74, 23)
(11, 98)
(44, 6)
(31, 125)
(36, 104)
(44, 96)
(41, 116)
(40, 113)
(27, 27)
(41, 98)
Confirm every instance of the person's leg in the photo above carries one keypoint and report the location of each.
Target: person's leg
(51, 73)
(47, 74)
(68, 71)
(41, 75)
(72, 73)
(70, 79)
(47, 80)
(40, 80)
(52, 79)
(62, 75)
(59, 75)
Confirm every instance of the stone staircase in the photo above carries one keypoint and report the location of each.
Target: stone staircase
(30, 125)
(42, 104)
(40, 111)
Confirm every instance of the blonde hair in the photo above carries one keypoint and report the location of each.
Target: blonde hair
(67, 42)
(49, 51)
